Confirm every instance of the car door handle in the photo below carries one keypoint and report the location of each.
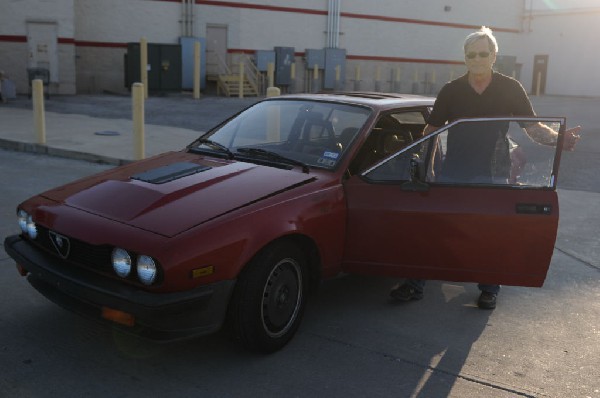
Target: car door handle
(534, 208)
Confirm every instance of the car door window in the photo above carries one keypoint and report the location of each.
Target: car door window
(477, 152)
(392, 132)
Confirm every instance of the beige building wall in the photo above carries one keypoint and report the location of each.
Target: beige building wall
(569, 38)
(390, 45)
(19, 20)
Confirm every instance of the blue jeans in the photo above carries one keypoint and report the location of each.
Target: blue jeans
(419, 284)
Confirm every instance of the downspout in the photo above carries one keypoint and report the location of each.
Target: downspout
(192, 4)
(333, 24)
(329, 14)
(183, 17)
(187, 18)
(337, 23)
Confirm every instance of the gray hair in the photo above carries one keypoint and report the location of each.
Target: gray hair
(483, 33)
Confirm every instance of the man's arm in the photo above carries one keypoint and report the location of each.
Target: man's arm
(544, 135)
(428, 129)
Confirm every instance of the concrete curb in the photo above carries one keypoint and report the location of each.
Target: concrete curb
(28, 147)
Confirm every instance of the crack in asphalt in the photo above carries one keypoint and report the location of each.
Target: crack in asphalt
(472, 379)
(579, 259)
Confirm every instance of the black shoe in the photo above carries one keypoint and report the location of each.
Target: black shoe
(487, 301)
(405, 292)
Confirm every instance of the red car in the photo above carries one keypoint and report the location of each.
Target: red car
(237, 228)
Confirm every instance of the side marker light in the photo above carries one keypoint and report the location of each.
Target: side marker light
(204, 271)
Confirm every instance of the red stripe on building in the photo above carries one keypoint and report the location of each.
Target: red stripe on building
(382, 18)
(402, 59)
(422, 22)
(66, 40)
(261, 7)
(82, 43)
(13, 39)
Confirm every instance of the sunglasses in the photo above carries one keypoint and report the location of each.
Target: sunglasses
(482, 54)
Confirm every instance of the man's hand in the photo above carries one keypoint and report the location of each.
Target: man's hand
(571, 138)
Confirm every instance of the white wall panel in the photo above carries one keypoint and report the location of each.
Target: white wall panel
(15, 13)
(127, 21)
(433, 30)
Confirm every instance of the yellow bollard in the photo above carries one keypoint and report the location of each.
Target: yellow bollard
(144, 64)
(197, 70)
(433, 76)
(137, 96)
(273, 91)
(538, 84)
(397, 85)
(338, 72)
(241, 86)
(357, 73)
(292, 87)
(273, 121)
(270, 74)
(39, 116)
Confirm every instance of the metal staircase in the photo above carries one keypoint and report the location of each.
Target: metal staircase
(228, 79)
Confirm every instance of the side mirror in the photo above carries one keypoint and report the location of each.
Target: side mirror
(416, 183)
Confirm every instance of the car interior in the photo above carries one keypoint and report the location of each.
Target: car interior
(387, 137)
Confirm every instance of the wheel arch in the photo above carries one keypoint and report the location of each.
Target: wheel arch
(310, 250)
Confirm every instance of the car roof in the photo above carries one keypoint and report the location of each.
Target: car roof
(376, 100)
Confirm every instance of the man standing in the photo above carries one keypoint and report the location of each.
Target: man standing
(482, 92)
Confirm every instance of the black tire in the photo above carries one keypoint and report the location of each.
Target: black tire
(269, 298)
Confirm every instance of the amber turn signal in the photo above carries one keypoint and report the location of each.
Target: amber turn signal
(118, 316)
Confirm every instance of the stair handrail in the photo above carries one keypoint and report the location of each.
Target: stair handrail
(251, 71)
(222, 65)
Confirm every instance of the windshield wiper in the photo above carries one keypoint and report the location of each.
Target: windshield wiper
(215, 145)
(274, 156)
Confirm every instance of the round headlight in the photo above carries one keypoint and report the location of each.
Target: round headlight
(121, 262)
(22, 220)
(146, 269)
(31, 228)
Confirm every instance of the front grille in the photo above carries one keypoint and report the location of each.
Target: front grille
(96, 258)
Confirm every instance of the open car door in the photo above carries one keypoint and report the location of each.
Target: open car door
(452, 206)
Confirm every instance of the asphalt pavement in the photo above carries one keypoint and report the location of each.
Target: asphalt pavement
(99, 128)
(537, 343)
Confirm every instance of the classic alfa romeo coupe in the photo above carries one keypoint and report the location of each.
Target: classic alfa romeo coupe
(237, 228)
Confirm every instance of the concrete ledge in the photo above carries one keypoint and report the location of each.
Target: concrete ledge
(29, 147)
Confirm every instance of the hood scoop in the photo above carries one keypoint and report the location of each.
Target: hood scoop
(170, 172)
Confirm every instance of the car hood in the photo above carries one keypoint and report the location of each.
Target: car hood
(171, 194)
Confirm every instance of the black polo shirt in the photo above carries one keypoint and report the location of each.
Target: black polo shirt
(504, 96)
(473, 154)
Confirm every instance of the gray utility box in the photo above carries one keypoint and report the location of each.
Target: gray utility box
(334, 57)
(187, 62)
(164, 66)
(263, 59)
(314, 57)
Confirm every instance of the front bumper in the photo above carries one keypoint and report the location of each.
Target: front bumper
(158, 316)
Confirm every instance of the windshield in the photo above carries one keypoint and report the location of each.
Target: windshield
(311, 133)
